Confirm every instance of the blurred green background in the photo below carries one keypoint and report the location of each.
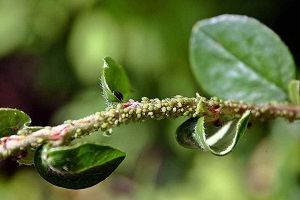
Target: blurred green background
(51, 55)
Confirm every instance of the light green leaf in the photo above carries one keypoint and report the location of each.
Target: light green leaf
(221, 140)
(12, 120)
(114, 81)
(77, 167)
(294, 92)
(237, 57)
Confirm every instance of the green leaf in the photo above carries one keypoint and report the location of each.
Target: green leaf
(221, 140)
(294, 92)
(237, 57)
(12, 120)
(114, 81)
(186, 135)
(77, 167)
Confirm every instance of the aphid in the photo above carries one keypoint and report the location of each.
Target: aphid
(119, 95)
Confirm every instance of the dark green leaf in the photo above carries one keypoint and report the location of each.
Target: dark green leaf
(77, 167)
(294, 92)
(186, 135)
(237, 57)
(221, 140)
(12, 120)
(114, 81)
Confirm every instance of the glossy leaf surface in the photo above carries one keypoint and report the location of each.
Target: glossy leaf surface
(12, 120)
(237, 57)
(77, 167)
(221, 140)
(114, 81)
(186, 135)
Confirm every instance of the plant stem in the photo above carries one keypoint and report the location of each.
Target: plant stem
(134, 111)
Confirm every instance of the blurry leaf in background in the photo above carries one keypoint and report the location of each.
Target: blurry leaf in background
(273, 168)
(209, 177)
(55, 81)
(78, 5)
(14, 20)
(23, 184)
(94, 35)
(32, 25)
(47, 26)
(143, 43)
(219, 178)
(237, 57)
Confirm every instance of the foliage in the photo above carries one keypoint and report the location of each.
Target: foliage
(12, 120)
(77, 167)
(271, 84)
(244, 51)
(218, 129)
(114, 82)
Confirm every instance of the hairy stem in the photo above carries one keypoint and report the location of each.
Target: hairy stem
(134, 111)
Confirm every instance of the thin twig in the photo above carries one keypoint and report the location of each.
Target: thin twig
(134, 111)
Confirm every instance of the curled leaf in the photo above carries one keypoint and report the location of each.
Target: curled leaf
(114, 81)
(77, 167)
(221, 140)
(186, 135)
(12, 120)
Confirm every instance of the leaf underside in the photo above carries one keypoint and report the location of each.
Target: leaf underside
(221, 140)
